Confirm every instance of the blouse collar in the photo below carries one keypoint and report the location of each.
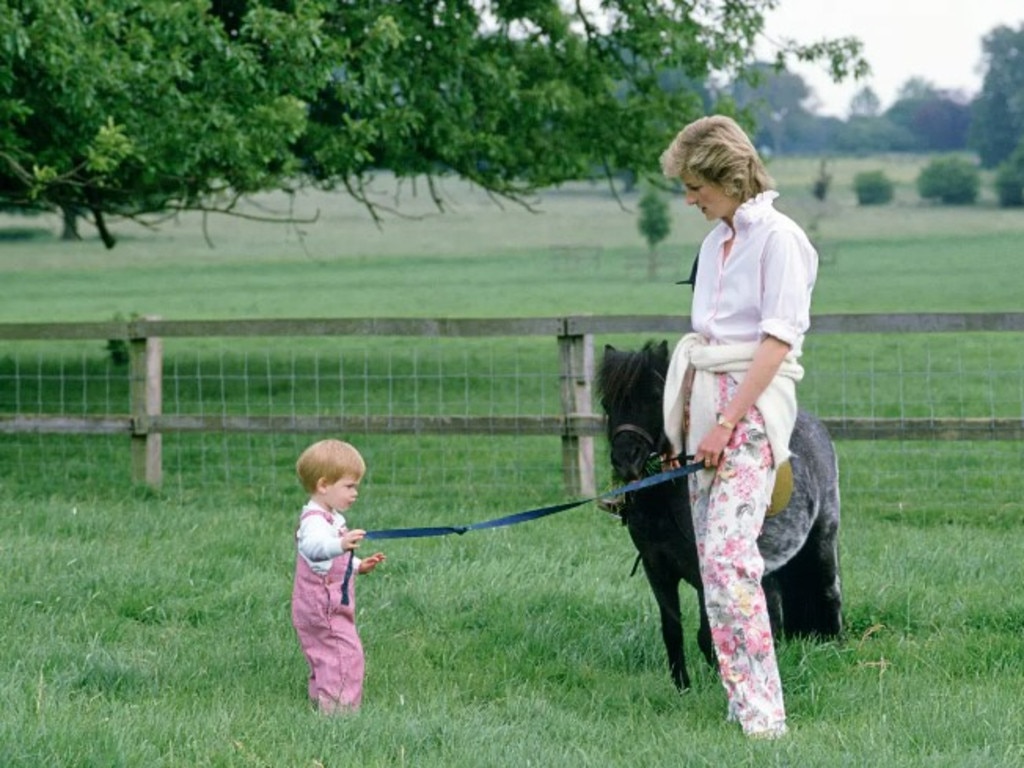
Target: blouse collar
(754, 209)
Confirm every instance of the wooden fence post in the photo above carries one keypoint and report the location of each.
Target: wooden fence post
(576, 353)
(146, 389)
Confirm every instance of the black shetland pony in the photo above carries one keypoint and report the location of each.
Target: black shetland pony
(799, 544)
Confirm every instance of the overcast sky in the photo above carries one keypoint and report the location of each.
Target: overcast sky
(939, 40)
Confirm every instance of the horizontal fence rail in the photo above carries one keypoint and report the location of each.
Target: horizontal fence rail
(577, 424)
(583, 425)
(936, 322)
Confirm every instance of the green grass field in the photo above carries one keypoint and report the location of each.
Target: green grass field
(581, 253)
(151, 628)
(141, 635)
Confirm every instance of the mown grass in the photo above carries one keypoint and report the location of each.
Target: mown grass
(151, 628)
(580, 254)
(141, 634)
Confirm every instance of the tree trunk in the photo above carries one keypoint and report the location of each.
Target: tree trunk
(652, 263)
(101, 226)
(69, 214)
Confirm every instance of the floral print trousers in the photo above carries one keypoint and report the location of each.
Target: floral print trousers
(729, 506)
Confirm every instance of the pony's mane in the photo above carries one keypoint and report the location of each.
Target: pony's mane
(622, 372)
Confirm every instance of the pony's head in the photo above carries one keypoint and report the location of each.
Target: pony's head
(630, 385)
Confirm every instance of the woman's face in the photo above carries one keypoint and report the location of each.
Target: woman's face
(712, 201)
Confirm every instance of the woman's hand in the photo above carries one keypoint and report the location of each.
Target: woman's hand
(712, 446)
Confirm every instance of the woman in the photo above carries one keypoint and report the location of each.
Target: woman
(731, 393)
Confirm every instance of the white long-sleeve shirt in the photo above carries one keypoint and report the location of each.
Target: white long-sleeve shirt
(318, 540)
(764, 286)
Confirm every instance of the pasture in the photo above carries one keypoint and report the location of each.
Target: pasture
(151, 628)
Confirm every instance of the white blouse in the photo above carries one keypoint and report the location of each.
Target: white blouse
(764, 287)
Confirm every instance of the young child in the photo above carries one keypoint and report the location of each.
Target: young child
(323, 597)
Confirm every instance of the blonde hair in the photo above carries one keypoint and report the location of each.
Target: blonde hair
(330, 460)
(716, 150)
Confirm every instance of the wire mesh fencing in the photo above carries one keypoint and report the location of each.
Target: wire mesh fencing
(912, 378)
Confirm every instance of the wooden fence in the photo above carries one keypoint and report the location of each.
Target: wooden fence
(577, 426)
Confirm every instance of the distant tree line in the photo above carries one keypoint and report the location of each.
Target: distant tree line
(923, 119)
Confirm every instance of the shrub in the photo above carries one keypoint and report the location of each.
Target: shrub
(654, 222)
(1009, 181)
(1009, 185)
(951, 179)
(872, 188)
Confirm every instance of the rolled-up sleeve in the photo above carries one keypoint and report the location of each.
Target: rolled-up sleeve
(789, 272)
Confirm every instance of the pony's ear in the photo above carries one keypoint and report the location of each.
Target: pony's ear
(663, 347)
(609, 348)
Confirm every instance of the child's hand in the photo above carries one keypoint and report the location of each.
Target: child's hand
(367, 564)
(350, 539)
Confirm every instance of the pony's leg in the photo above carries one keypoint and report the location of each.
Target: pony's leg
(667, 595)
(797, 591)
(704, 641)
(810, 586)
(773, 590)
(672, 635)
(828, 598)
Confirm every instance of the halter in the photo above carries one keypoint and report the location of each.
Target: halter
(636, 430)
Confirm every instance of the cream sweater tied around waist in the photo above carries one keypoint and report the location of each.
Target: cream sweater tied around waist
(777, 403)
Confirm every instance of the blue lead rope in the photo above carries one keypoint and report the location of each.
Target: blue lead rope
(533, 514)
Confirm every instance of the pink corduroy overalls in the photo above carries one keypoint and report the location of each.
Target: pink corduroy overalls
(323, 614)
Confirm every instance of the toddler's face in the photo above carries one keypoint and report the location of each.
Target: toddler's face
(341, 494)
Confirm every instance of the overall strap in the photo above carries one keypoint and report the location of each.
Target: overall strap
(348, 577)
(309, 513)
(351, 555)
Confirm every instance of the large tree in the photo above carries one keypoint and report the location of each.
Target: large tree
(136, 108)
(997, 122)
(938, 120)
(115, 107)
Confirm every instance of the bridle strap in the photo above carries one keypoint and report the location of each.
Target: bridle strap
(634, 429)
